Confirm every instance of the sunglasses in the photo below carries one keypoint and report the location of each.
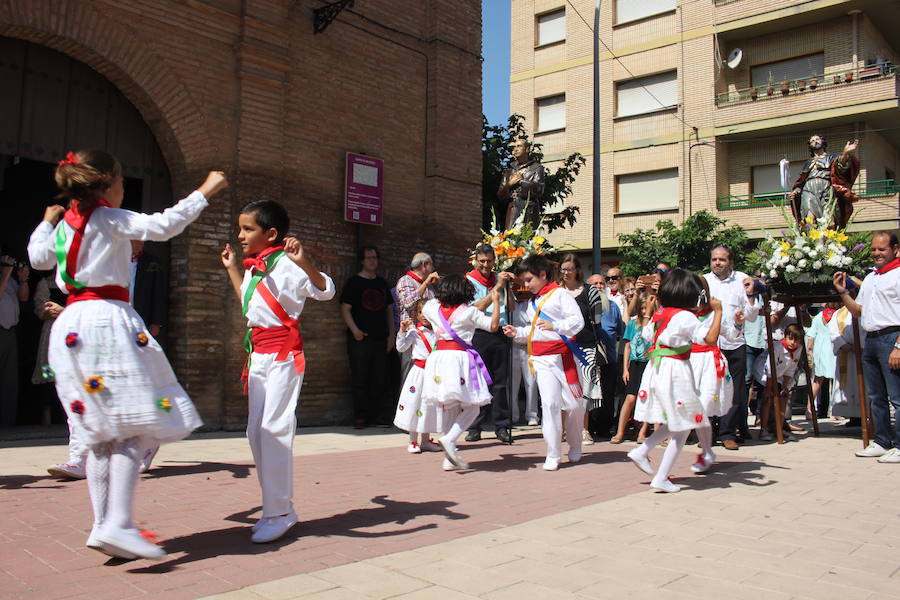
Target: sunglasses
(612, 277)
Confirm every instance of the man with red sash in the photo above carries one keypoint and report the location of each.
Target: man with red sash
(878, 308)
(273, 287)
(493, 347)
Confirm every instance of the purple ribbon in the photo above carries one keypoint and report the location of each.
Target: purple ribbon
(475, 362)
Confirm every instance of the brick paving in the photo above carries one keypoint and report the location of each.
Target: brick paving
(802, 520)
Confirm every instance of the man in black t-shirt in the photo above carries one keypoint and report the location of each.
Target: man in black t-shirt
(365, 308)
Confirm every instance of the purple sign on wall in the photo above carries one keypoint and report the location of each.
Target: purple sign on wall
(364, 190)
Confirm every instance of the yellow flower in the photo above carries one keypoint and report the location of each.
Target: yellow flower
(538, 240)
(830, 233)
(809, 220)
(511, 232)
(786, 245)
(814, 233)
(841, 237)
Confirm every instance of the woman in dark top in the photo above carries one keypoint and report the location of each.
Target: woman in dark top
(589, 300)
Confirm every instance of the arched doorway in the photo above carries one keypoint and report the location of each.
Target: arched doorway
(52, 104)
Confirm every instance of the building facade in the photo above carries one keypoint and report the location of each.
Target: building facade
(701, 99)
(179, 88)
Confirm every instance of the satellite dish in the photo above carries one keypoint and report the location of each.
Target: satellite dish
(734, 58)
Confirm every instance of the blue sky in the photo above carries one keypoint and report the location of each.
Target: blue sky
(495, 70)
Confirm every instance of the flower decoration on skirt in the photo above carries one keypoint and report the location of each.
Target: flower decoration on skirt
(462, 381)
(437, 379)
(71, 339)
(679, 403)
(418, 413)
(698, 418)
(165, 404)
(141, 339)
(401, 407)
(412, 389)
(94, 384)
(77, 407)
(642, 395)
(47, 372)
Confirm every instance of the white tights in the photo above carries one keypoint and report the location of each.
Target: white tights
(704, 434)
(676, 445)
(112, 475)
(464, 416)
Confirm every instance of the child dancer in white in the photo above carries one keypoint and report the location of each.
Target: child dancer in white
(668, 394)
(520, 373)
(273, 291)
(553, 316)
(413, 415)
(710, 369)
(112, 377)
(456, 379)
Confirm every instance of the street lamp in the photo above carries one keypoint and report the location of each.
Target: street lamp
(595, 211)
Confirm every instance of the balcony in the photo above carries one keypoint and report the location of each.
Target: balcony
(865, 189)
(827, 81)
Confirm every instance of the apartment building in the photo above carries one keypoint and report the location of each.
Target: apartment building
(701, 99)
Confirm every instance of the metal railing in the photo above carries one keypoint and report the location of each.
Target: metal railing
(805, 85)
(865, 189)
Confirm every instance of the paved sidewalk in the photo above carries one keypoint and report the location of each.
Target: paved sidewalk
(804, 520)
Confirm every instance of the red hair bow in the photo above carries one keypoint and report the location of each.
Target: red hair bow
(70, 159)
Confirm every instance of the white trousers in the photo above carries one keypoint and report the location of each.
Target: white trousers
(520, 372)
(551, 418)
(78, 450)
(273, 388)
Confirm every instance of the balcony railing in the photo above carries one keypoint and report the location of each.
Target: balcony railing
(806, 85)
(865, 189)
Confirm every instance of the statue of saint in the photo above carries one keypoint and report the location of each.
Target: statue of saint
(826, 171)
(522, 186)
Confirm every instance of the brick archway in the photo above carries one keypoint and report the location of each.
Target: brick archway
(84, 33)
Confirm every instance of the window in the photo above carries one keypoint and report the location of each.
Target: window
(551, 113)
(551, 27)
(633, 10)
(802, 67)
(647, 192)
(647, 94)
(766, 179)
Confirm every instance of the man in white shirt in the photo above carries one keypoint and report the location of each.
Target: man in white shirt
(734, 290)
(878, 308)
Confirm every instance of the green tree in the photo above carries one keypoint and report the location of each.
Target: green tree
(496, 141)
(687, 246)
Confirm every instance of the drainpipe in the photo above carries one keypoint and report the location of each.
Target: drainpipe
(855, 14)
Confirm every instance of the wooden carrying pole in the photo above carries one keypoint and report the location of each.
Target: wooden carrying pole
(772, 381)
(860, 382)
(802, 315)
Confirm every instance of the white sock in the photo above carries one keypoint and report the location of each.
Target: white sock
(424, 437)
(676, 444)
(464, 419)
(704, 434)
(123, 476)
(654, 439)
(98, 479)
(412, 437)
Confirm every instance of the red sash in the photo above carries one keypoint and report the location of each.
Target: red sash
(423, 338)
(283, 340)
(419, 363)
(717, 357)
(539, 348)
(662, 318)
(449, 345)
(78, 220)
(106, 292)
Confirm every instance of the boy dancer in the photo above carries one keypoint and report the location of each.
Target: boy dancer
(272, 292)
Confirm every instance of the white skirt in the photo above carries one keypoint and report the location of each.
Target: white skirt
(446, 380)
(113, 378)
(715, 394)
(412, 414)
(668, 395)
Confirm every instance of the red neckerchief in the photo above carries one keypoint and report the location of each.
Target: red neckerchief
(827, 313)
(257, 261)
(702, 312)
(613, 293)
(548, 288)
(415, 276)
(486, 282)
(888, 267)
(789, 351)
(662, 317)
(448, 311)
(78, 218)
(420, 329)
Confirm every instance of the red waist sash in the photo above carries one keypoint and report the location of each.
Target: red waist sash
(568, 359)
(717, 357)
(449, 345)
(106, 292)
(419, 363)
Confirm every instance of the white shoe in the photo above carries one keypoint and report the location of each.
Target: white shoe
(574, 456)
(532, 421)
(273, 528)
(872, 450)
(891, 456)
(764, 436)
(68, 471)
(640, 461)
(551, 464)
(429, 446)
(128, 541)
(452, 456)
(704, 462)
(449, 466)
(413, 448)
(586, 437)
(95, 544)
(665, 486)
(148, 459)
(262, 520)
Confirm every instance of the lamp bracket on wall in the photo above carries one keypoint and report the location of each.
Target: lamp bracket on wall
(324, 15)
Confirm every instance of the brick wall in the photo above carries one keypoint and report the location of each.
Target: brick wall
(245, 86)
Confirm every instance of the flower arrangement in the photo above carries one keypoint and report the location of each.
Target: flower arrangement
(810, 252)
(514, 244)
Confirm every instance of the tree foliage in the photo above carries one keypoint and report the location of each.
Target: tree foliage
(687, 246)
(496, 141)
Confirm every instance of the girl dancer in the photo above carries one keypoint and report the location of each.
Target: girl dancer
(412, 414)
(456, 380)
(711, 376)
(635, 362)
(667, 393)
(112, 377)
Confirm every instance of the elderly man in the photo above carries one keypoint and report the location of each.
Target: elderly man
(610, 332)
(614, 289)
(878, 307)
(493, 347)
(415, 284)
(735, 290)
